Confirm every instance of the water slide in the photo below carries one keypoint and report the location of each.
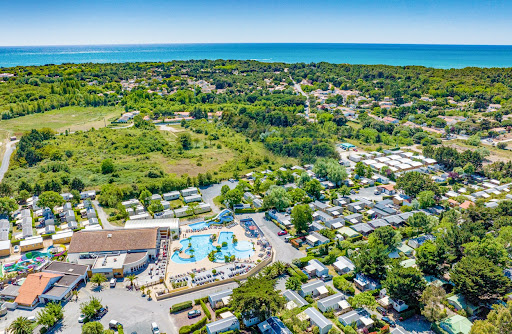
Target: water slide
(222, 217)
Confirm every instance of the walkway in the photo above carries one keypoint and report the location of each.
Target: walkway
(298, 88)
(103, 217)
(9, 149)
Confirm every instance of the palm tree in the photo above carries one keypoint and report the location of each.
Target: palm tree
(75, 294)
(131, 278)
(280, 267)
(20, 326)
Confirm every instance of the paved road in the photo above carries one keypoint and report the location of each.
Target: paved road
(10, 146)
(103, 216)
(283, 251)
(210, 192)
(298, 88)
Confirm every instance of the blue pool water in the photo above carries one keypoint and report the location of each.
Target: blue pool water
(202, 246)
(198, 226)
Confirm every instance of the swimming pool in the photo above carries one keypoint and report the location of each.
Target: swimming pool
(201, 246)
(198, 226)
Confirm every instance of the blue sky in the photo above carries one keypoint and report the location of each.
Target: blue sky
(71, 22)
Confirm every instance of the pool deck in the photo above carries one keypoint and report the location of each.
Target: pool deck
(174, 268)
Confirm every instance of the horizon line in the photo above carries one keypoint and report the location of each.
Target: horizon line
(248, 43)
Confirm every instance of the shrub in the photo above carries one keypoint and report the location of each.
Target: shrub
(222, 310)
(198, 301)
(206, 310)
(342, 284)
(181, 306)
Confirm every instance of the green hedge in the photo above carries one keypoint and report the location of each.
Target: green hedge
(303, 277)
(181, 306)
(407, 314)
(250, 210)
(198, 301)
(437, 329)
(206, 310)
(222, 310)
(191, 328)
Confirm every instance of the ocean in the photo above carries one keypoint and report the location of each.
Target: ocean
(437, 56)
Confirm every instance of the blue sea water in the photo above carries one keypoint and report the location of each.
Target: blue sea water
(438, 56)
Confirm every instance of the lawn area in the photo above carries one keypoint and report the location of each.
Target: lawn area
(223, 155)
(68, 118)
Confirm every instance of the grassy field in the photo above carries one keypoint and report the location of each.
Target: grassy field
(68, 118)
(142, 156)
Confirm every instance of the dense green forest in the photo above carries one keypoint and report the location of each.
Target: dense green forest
(256, 100)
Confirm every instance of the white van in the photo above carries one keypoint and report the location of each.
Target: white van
(113, 282)
(154, 328)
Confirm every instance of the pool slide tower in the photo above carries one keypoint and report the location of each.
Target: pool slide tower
(225, 216)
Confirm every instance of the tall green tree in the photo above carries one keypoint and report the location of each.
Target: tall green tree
(431, 258)
(405, 284)
(257, 297)
(301, 217)
(93, 327)
(50, 199)
(372, 260)
(479, 280)
(277, 197)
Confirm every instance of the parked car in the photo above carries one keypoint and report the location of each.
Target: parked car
(326, 278)
(389, 321)
(114, 324)
(154, 328)
(376, 192)
(280, 233)
(16, 249)
(193, 314)
(382, 310)
(81, 318)
(101, 312)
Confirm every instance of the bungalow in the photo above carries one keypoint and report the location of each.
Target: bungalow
(189, 192)
(91, 213)
(89, 194)
(395, 220)
(156, 197)
(316, 226)
(330, 302)
(62, 237)
(417, 242)
(5, 227)
(401, 248)
(281, 218)
(315, 288)
(220, 299)
(343, 265)
(230, 323)
(257, 203)
(335, 223)
(360, 317)
(376, 223)
(31, 243)
(192, 198)
(171, 196)
(459, 302)
(316, 268)
(363, 282)
(320, 206)
(354, 218)
(456, 324)
(5, 247)
(341, 201)
(294, 299)
(335, 211)
(273, 325)
(363, 228)
(348, 232)
(320, 215)
(318, 319)
(315, 239)
(359, 206)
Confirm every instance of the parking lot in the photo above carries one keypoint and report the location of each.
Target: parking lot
(283, 251)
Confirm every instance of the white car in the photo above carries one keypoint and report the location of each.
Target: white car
(154, 328)
(16, 249)
(81, 318)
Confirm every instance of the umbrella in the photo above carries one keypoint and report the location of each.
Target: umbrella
(252, 227)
